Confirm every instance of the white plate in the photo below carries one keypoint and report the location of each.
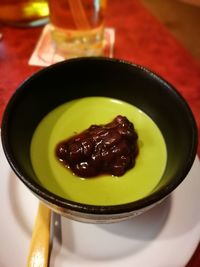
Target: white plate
(165, 236)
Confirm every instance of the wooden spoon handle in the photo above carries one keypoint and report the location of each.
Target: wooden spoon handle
(39, 247)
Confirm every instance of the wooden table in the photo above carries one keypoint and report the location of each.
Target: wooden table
(140, 38)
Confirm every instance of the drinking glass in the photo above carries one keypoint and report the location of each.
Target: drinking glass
(77, 26)
(24, 12)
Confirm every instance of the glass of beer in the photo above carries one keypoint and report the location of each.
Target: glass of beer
(24, 12)
(77, 26)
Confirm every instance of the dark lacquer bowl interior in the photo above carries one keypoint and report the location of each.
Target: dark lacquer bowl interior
(113, 78)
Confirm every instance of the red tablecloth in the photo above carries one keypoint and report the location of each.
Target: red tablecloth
(140, 38)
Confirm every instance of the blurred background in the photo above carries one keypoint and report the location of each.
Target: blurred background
(182, 18)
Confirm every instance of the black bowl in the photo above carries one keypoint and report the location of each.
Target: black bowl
(113, 78)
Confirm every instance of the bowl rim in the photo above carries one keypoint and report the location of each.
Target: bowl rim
(66, 204)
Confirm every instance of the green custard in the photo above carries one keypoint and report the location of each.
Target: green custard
(74, 117)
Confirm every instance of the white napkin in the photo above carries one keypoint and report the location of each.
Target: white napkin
(45, 52)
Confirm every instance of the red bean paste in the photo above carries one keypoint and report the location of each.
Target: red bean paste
(101, 149)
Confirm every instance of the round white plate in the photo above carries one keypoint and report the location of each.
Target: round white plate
(165, 236)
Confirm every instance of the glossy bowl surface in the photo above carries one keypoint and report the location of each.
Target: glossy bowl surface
(83, 77)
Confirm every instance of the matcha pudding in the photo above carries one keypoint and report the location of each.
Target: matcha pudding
(74, 117)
